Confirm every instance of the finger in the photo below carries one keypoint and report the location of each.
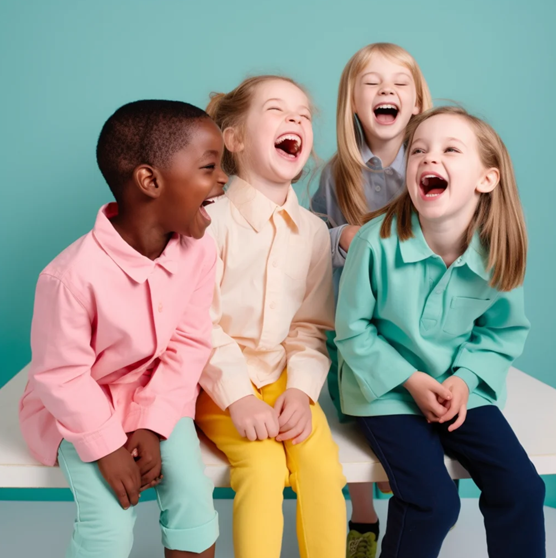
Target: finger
(260, 429)
(150, 475)
(121, 494)
(134, 453)
(286, 416)
(152, 484)
(441, 391)
(279, 405)
(462, 415)
(288, 435)
(303, 436)
(291, 421)
(272, 427)
(132, 486)
(145, 464)
(250, 433)
(436, 409)
(451, 412)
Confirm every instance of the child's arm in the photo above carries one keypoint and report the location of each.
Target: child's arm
(497, 339)
(60, 371)
(378, 368)
(227, 380)
(159, 404)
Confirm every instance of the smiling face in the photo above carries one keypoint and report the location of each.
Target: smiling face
(190, 180)
(384, 99)
(445, 175)
(276, 139)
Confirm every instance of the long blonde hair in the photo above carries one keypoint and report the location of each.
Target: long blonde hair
(347, 164)
(498, 217)
(228, 110)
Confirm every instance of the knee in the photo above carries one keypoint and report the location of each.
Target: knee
(110, 534)
(263, 473)
(525, 491)
(442, 506)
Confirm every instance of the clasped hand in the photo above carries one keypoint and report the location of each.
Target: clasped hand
(439, 402)
(134, 467)
(289, 419)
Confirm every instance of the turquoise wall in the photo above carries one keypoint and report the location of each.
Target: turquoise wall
(66, 65)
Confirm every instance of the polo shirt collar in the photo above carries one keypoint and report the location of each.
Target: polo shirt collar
(131, 262)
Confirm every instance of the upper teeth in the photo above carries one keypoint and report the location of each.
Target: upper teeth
(292, 137)
(431, 176)
(387, 107)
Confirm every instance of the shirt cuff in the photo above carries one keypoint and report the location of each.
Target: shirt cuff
(224, 394)
(92, 446)
(161, 419)
(470, 378)
(306, 383)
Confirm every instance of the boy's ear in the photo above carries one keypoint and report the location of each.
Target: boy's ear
(232, 141)
(489, 181)
(147, 179)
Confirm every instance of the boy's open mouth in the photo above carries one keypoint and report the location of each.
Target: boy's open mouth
(289, 146)
(432, 185)
(386, 113)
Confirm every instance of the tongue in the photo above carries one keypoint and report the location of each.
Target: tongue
(383, 118)
(435, 191)
(204, 213)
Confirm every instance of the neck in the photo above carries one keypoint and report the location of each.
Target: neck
(385, 150)
(447, 238)
(141, 230)
(274, 191)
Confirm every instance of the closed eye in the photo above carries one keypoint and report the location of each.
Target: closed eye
(275, 108)
(210, 167)
(417, 150)
(452, 150)
(402, 84)
(370, 83)
(306, 116)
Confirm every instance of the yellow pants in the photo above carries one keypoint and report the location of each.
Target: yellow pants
(259, 472)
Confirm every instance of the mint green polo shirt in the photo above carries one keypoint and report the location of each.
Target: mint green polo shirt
(400, 310)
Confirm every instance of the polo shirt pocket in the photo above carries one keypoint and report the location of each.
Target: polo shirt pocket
(297, 260)
(462, 314)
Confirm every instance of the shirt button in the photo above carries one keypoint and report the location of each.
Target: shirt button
(378, 188)
(374, 161)
(273, 305)
(458, 261)
(160, 307)
(274, 263)
(388, 171)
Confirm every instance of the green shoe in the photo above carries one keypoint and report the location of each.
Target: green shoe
(361, 545)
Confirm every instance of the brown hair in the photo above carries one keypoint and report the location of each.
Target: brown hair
(347, 164)
(498, 217)
(228, 110)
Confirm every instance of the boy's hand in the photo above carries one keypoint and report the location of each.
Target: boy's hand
(122, 474)
(144, 447)
(347, 235)
(254, 419)
(427, 392)
(294, 416)
(458, 404)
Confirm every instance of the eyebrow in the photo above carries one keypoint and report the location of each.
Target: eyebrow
(208, 153)
(281, 101)
(399, 74)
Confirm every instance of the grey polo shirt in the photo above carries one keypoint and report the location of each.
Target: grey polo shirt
(381, 185)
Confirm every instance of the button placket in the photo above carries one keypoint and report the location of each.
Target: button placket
(435, 300)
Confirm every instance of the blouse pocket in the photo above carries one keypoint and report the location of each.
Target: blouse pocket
(297, 260)
(462, 314)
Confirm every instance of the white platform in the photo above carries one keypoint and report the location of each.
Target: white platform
(531, 410)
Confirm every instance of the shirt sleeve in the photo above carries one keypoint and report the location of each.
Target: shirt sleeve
(306, 353)
(225, 378)
(325, 205)
(497, 339)
(173, 386)
(377, 367)
(60, 372)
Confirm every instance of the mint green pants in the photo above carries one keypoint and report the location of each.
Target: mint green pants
(103, 529)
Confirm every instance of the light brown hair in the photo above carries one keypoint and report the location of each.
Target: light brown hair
(229, 110)
(498, 217)
(347, 164)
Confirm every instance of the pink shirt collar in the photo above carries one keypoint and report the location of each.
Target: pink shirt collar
(134, 264)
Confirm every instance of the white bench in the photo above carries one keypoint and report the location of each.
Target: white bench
(531, 410)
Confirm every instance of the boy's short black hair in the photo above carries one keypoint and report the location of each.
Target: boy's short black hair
(143, 132)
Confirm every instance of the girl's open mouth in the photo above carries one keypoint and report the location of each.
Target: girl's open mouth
(432, 186)
(386, 113)
(202, 209)
(289, 146)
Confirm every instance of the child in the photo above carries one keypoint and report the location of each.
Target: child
(429, 319)
(121, 333)
(381, 90)
(272, 305)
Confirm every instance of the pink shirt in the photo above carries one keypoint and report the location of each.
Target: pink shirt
(119, 342)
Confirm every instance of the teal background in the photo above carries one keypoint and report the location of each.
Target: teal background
(65, 66)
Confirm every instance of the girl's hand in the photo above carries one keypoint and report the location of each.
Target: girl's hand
(426, 392)
(347, 235)
(144, 446)
(294, 416)
(458, 404)
(122, 474)
(254, 419)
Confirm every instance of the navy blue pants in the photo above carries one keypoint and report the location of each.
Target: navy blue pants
(425, 503)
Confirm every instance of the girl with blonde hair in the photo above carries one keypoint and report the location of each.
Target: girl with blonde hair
(273, 303)
(430, 317)
(381, 90)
